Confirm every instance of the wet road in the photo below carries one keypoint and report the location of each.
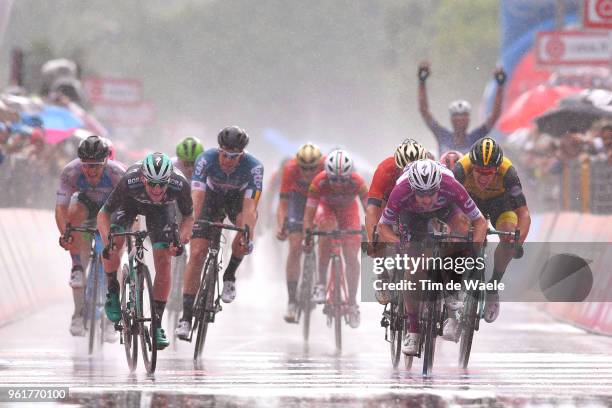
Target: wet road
(253, 358)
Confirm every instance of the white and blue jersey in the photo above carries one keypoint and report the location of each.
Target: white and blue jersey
(246, 178)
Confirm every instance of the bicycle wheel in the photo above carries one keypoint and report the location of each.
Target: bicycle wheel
(147, 319)
(470, 311)
(128, 332)
(432, 314)
(206, 297)
(337, 301)
(92, 300)
(306, 286)
(396, 330)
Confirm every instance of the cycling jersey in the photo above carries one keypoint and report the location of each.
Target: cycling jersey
(131, 190)
(383, 181)
(246, 177)
(451, 193)
(295, 181)
(179, 164)
(506, 182)
(447, 142)
(130, 199)
(72, 180)
(336, 194)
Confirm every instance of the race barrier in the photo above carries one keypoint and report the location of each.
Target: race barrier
(579, 227)
(33, 268)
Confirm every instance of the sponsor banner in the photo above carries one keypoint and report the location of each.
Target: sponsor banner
(113, 91)
(597, 14)
(141, 114)
(558, 48)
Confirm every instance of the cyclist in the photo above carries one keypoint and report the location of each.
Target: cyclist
(148, 188)
(493, 182)
(426, 191)
(227, 181)
(385, 176)
(450, 159)
(85, 183)
(297, 175)
(187, 151)
(331, 196)
(459, 139)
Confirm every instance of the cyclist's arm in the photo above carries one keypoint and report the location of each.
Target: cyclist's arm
(61, 217)
(197, 196)
(281, 212)
(309, 214)
(249, 214)
(372, 215)
(524, 222)
(386, 233)
(424, 105)
(480, 229)
(104, 224)
(497, 107)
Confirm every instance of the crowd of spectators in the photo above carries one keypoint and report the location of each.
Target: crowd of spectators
(30, 161)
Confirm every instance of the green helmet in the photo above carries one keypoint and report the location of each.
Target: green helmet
(157, 167)
(189, 149)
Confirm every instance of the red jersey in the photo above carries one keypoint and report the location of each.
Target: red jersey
(336, 194)
(295, 180)
(383, 181)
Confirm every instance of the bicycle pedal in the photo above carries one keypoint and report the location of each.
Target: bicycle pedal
(384, 322)
(210, 317)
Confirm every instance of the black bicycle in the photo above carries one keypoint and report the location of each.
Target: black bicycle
(138, 317)
(206, 305)
(432, 310)
(473, 306)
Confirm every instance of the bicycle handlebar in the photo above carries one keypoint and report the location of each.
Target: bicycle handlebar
(518, 248)
(244, 230)
(70, 229)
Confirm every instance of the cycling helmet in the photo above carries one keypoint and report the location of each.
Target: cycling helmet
(189, 149)
(233, 137)
(450, 158)
(424, 175)
(157, 167)
(459, 107)
(111, 148)
(486, 153)
(92, 148)
(308, 155)
(338, 164)
(407, 152)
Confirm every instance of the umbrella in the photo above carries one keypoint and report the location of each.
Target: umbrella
(578, 117)
(531, 104)
(59, 123)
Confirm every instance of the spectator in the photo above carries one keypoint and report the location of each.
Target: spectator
(459, 139)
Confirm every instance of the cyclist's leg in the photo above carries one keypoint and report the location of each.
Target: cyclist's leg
(121, 220)
(295, 214)
(157, 220)
(78, 213)
(325, 220)
(348, 219)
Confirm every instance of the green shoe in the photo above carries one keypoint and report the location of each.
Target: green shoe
(112, 307)
(160, 338)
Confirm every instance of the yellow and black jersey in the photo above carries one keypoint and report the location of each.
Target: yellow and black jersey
(506, 183)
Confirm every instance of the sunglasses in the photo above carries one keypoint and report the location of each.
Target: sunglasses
(485, 170)
(426, 193)
(230, 155)
(339, 179)
(154, 183)
(308, 169)
(92, 165)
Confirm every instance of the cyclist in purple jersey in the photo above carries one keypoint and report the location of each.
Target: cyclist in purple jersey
(426, 191)
(459, 138)
(85, 183)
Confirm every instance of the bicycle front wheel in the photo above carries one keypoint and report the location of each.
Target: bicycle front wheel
(306, 286)
(147, 319)
(470, 312)
(128, 332)
(205, 299)
(432, 316)
(92, 300)
(396, 330)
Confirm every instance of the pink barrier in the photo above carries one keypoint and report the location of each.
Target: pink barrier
(32, 266)
(576, 227)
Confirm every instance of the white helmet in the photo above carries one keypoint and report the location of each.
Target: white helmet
(424, 175)
(459, 107)
(409, 151)
(338, 164)
(157, 167)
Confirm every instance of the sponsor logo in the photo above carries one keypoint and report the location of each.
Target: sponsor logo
(133, 180)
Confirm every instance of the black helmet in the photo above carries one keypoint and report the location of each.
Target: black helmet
(232, 137)
(93, 148)
(486, 153)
